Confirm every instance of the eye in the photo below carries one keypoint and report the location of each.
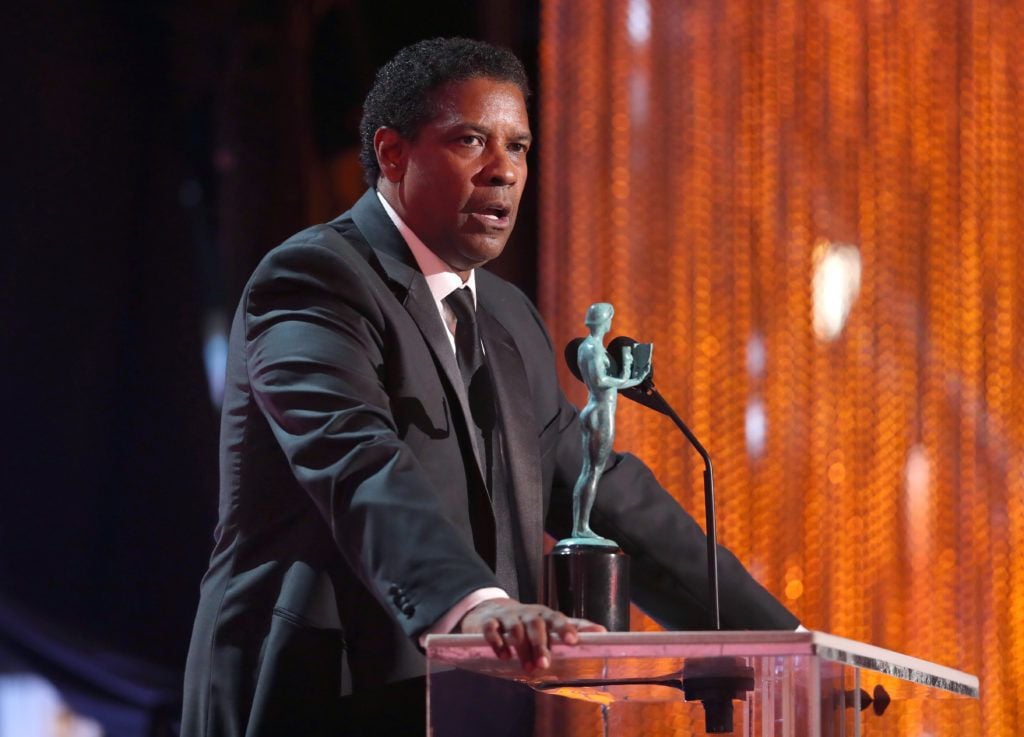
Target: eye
(518, 148)
(471, 140)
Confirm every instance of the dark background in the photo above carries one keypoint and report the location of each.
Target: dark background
(153, 152)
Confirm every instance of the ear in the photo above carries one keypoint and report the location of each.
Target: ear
(392, 153)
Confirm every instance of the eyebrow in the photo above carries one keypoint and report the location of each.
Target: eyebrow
(519, 136)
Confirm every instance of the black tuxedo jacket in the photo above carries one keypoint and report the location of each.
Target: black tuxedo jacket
(351, 512)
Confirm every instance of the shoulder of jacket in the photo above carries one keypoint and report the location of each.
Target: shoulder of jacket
(341, 235)
(347, 245)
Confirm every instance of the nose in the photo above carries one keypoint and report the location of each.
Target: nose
(500, 169)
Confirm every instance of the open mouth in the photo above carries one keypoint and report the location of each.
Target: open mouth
(497, 214)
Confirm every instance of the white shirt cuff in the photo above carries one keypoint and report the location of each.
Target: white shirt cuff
(453, 616)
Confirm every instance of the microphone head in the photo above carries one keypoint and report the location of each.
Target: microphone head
(615, 351)
(645, 392)
(572, 349)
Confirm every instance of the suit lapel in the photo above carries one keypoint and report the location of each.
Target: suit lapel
(519, 428)
(398, 263)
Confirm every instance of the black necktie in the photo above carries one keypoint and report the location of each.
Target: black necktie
(475, 375)
(467, 335)
(477, 379)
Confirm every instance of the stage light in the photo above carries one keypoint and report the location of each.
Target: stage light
(638, 21)
(31, 706)
(756, 428)
(215, 355)
(836, 283)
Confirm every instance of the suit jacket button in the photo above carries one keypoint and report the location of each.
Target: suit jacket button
(408, 610)
(393, 590)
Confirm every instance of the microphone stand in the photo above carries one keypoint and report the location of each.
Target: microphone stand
(652, 398)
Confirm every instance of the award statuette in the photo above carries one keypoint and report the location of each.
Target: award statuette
(588, 575)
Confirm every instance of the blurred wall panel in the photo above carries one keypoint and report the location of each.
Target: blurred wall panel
(812, 209)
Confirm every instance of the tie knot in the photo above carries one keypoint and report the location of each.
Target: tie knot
(461, 303)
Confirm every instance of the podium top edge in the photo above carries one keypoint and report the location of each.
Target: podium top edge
(737, 643)
(639, 638)
(890, 662)
(802, 641)
(733, 643)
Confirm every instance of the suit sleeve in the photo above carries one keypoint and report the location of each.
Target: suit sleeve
(316, 343)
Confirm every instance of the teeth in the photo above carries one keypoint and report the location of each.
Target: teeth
(490, 216)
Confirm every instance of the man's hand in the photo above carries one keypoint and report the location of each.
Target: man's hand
(511, 626)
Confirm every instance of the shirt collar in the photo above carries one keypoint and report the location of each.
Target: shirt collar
(441, 279)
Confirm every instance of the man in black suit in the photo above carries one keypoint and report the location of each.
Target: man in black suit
(383, 478)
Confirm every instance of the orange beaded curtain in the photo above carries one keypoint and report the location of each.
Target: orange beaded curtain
(813, 210)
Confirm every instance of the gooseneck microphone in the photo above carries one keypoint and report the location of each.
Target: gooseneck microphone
(647, 394)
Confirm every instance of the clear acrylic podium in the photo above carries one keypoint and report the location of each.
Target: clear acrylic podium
(779, 684)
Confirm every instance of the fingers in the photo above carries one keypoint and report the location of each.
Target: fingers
(535, 652)
(567, 630)
(511, 628)
(494, 636)
(585, 625)
(526, 634)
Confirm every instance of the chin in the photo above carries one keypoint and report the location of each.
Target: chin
(480, 253)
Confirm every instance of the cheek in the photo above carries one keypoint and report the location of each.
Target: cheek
(444, 188)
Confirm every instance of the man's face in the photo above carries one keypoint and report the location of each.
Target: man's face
(460, 179)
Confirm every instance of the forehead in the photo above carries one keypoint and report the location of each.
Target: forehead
(480, 100)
